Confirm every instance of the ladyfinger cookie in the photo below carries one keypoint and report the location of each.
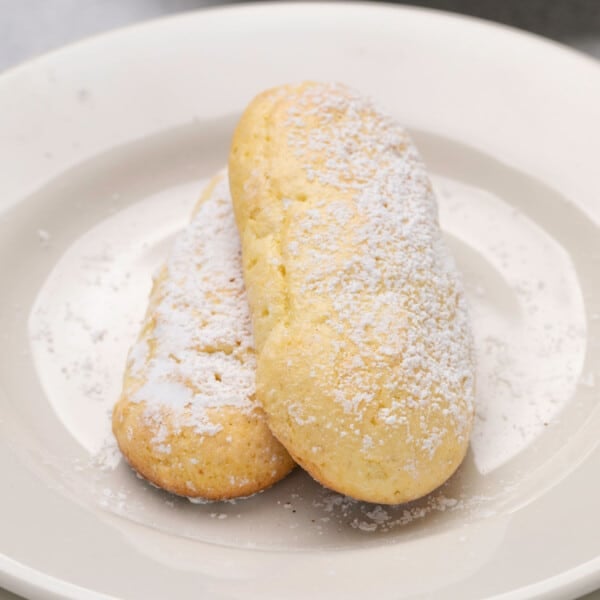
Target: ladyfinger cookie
(364, 353)
(187, 419)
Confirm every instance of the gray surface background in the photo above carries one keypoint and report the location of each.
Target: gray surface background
(31, 27)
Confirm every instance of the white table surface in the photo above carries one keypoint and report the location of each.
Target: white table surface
(31, 27)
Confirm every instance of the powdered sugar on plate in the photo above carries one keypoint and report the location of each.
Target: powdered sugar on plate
(528, 316)
(88, 313)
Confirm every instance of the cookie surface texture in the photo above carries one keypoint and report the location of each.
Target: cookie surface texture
(187, 419)
(364, 352)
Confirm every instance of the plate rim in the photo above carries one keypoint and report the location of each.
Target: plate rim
(19, 578)
(253, 5)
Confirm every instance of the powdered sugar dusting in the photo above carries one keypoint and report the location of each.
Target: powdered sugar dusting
(195, 351)
(397, 298)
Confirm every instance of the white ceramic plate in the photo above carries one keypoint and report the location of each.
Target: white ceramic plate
(103, 147)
